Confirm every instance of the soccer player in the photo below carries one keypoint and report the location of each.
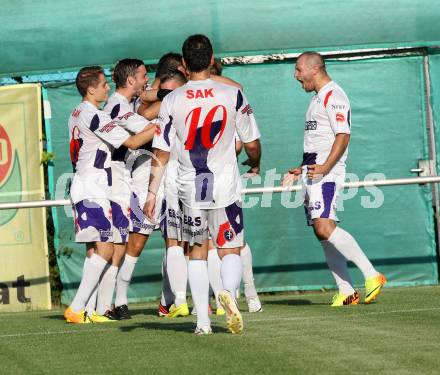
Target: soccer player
(91, 132)
(203, 116)
(130, 77)
(176, 265)
(252, 299)
(322, 171)
(150, 99)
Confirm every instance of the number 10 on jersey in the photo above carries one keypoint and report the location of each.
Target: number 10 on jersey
(205, 135)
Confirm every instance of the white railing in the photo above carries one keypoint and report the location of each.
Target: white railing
(261, 190)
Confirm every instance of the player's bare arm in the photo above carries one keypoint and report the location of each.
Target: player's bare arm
(253, 151)
(150, 111)
(138, 140)
(339, 146)
(158, 166)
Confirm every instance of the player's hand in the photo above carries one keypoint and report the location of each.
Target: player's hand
(150, 206)
(290, 177)
(316, 171)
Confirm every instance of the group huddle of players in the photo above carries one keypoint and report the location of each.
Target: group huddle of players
(111, 140)
(165, 155)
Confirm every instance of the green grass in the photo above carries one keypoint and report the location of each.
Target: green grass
(295, 334)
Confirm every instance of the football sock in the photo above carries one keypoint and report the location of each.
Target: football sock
(348, 247)
(231, 271)
(167, 297)
(123, 279)
(199, 284)
(248, 274)
(338, 267)
(91, 303)
(89, 281)
(106, 288)
(215, 279)
(177, 271)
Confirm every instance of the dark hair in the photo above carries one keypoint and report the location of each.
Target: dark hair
(173, 75)
(169, 61)
(86, 77)
(125, 68)
(197, 53)
(217, 68)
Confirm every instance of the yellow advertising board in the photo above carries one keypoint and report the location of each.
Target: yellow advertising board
(24, 269)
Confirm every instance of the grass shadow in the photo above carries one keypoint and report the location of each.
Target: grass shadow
(294, 302)
(187, 326)
(54, 316)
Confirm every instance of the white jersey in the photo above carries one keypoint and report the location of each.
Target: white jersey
(328, 115)
(123, 113)
(203, 116)
(171, 173)
(92, 133)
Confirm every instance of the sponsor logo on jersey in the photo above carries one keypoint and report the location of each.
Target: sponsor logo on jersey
(196, 221)
(340, 117)
(108, 127)
(123, 231)
(315, 205)
(248, 110)
(199, 94)
(311, 125)
(106, 232)
(338, 107)
(126, 116)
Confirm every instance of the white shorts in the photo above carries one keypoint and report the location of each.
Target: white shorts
(139, 223)
(320, 196)
(120, 204)
(225, 225)
(140, 177)
(93, 221)
(171, 216)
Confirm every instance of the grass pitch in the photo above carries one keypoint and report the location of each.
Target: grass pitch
(295, 334)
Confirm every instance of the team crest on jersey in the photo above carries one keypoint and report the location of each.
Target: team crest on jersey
(158, 131)
(225, 233)
(340, 117)
(228, 234)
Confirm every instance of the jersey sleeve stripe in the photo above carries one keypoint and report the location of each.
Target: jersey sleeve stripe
(327, 97)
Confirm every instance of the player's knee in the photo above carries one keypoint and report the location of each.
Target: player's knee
(322, 231)
(135, 248)
(136, 245)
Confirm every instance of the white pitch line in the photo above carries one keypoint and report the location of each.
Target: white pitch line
(291, 318)
(47, 333)
(338, 316)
